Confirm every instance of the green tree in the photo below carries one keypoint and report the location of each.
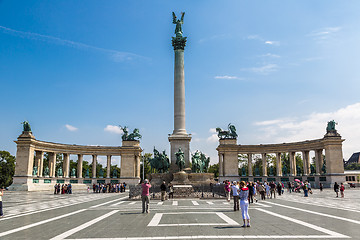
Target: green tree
(214, 169)
(145, 159)
(352, 166)
(7, 168)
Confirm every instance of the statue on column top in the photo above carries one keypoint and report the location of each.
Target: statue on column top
(178, 28)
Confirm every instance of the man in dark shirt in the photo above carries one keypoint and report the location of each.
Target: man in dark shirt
(163, 191)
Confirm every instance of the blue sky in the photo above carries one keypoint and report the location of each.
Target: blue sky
(277, 70)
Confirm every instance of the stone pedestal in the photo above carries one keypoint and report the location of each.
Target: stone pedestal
(176, 142)
(228, 160)
(181, 178)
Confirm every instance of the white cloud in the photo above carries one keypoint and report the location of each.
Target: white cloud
(213, 138)
(275, 43)
(70, 128)
(266, 69)
(113, 129)
(313, 126)
(270, 55)
(324, 33)
(227, 77)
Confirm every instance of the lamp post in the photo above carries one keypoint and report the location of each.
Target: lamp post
(143, 176)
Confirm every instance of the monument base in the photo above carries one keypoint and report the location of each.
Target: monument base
(176, 142)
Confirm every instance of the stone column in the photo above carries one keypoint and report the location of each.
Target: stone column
(278, 165)
(66, 165)
(179, 138)
(221, 156)
(80, 165)
(94, 161)
(318, 161)
(25, 155)
(334, 159)
(108, 166)
(306, 160)
(137, 166)
(39, 156)
(292, 163)
(52, 164)
(250, 170)
(264, 165)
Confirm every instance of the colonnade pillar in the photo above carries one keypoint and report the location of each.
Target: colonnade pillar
(278, 164)
(79, 165)
(250, 171)
(318, 161)
(52, 164)
(39, 158)
(66, 165)
(306, 162)
(94, 161)
(292, 163)
(108, 166)
(221, 163)
(264, 164)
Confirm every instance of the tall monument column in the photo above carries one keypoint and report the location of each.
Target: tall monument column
(179, 138)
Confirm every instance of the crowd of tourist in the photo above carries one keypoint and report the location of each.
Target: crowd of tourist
(109, 188)
(63, 189)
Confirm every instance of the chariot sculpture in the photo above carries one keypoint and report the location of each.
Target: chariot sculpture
(229, 134)
(135, 135)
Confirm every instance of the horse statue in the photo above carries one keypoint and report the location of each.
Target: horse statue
(180, 161)
(160, 162)
(135, 135)
(229, 134)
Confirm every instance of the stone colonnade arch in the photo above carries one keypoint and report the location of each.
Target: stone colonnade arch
(29, 150)
(228, 151)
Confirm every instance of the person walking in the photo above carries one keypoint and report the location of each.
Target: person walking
(1, 206)
(171, 191)
(336, 189)
(251, 192)
(272, 189)
(145, 196)
(321, 187)
(163, 191)
(227, 190)
(261, 190)
(235, 190)
(342, 189)
(244, 203)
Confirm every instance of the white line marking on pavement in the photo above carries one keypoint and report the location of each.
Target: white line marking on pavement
(175, 203)
(317, 213)
(210, 203)
(14, 212)
(309, 225)
(260, 204)
(226, 203)
(102, 204)
(83, 226)
(160, 203)
(227, 219)
(132, 203)
(157, 217)
(195, 203)
(216, 237)
(118, 203)
(155, 220)
(39, 223)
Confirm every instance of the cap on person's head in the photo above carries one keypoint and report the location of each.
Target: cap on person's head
(234, 182)
(146, 181)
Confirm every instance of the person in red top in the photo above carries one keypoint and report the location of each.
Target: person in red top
(145, 195)
(342, 188)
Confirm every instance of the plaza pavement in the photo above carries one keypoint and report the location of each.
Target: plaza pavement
(113, 216)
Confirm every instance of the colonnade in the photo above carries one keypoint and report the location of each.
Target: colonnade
(331, 144)
(279, 168)
(29, 150)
